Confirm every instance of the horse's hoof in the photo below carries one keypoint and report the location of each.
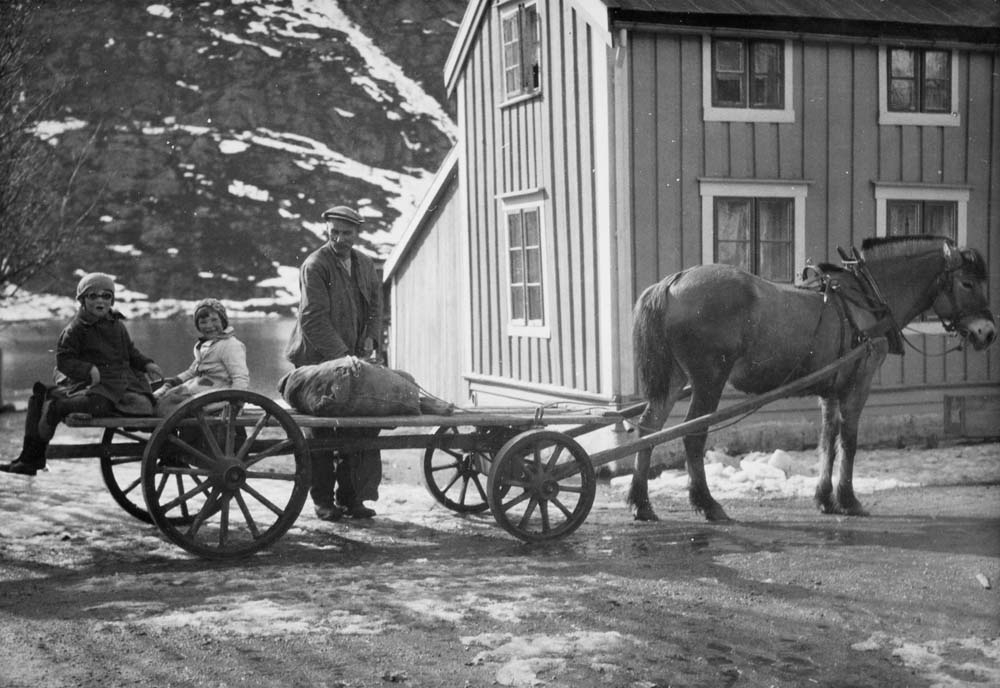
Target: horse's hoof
(716, 514)
(645, 513)
(826, 506)
(853, 510)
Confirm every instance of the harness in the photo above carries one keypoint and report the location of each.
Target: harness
(869, 297)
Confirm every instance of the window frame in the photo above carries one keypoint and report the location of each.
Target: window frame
(754, 242)
(518, 203)
(929, 119)
(504, 14)
(797, 190)
(714, 113)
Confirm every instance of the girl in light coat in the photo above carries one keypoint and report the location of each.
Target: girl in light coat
(220, 360)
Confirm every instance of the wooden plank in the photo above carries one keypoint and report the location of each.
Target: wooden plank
(865, 148)
(841, 146)
(691, 133)
(644, 191)
(815, 131)
(741, 153)
(593, 327)
(790, 134)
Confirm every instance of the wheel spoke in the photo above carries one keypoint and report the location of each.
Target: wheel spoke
(183, 498)
(206, 432)
(554, 459)
(192, 454)
(247, 516)
(543, 509)
(282, 447)
(526, 516)
(263, 500)
(562, 507)
(257, 428)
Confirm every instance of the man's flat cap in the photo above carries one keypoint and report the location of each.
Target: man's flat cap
(342, 212)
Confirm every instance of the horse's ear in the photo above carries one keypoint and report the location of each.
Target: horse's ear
(952, 256)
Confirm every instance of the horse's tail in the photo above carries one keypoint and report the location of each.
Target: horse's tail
(653, 356)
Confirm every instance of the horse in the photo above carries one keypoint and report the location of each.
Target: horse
(713, 324)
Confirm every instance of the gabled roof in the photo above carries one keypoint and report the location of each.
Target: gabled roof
(964, 21)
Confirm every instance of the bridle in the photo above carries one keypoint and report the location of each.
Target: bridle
(946, 286)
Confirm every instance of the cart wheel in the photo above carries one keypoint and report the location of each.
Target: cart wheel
(457, 476)
(226, 474)
(541, 486)
(123, 476)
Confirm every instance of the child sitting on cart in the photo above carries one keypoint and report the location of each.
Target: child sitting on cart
(99, 372)
(220, 360)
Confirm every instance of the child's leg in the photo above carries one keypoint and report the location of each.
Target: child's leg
(45, 411)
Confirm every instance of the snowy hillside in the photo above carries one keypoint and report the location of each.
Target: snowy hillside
(225, 127)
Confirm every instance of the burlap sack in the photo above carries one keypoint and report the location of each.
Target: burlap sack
(350, 387)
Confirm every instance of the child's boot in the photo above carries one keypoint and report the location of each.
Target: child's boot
(31, 460)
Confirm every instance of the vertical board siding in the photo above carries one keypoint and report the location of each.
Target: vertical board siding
(835, 143)
(544, 143)
(424, 342)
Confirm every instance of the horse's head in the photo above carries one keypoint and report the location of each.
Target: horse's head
(961, 297)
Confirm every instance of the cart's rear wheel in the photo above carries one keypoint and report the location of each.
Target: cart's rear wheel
(541, 486)
(457, 477)
(226, 474)
(123, 476)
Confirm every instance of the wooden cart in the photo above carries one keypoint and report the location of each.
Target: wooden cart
(228, 472)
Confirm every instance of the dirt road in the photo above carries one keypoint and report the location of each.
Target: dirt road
(422, 597)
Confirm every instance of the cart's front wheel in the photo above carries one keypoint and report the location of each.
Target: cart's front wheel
(541, 485)
(226, 474)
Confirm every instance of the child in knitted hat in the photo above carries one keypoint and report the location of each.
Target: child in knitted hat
(99, 372)
(220, 360)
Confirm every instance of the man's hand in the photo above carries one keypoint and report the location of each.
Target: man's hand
(95, 376)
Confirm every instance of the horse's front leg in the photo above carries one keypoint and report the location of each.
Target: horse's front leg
(651, 420)
(852, 404)
(827, 452)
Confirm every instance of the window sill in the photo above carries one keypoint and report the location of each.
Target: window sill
(919, 119)
(723, 114)
(529, 331)
(515, 100)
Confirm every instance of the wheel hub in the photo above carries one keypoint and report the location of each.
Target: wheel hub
(234, 476)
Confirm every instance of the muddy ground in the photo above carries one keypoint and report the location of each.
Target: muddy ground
(419, 596)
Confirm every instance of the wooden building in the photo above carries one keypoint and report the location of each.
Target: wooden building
(605, 144)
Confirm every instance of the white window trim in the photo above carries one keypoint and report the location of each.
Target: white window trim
(518, 201)
(923, 192)
(503, 9)
(728, 114)
(926, 119)
(778, 188)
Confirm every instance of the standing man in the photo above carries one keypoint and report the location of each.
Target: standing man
(340, 314)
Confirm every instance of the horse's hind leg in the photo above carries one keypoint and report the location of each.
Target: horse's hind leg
(705, 400)
(651, 420)
(829, 435)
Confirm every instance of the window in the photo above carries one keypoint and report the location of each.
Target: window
(747, 74)
(527, 282)
(746, 79)
(520, 38)
(922, 217)
(757, 225)
(904, 209)
(919, 80)
(918, 86)
(757, 235)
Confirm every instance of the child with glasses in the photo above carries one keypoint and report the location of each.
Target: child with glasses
(99, 372)
(220, 360)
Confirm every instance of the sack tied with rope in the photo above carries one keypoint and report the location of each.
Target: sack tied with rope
(349, 386)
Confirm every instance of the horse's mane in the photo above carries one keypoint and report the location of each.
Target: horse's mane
(896, 246)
